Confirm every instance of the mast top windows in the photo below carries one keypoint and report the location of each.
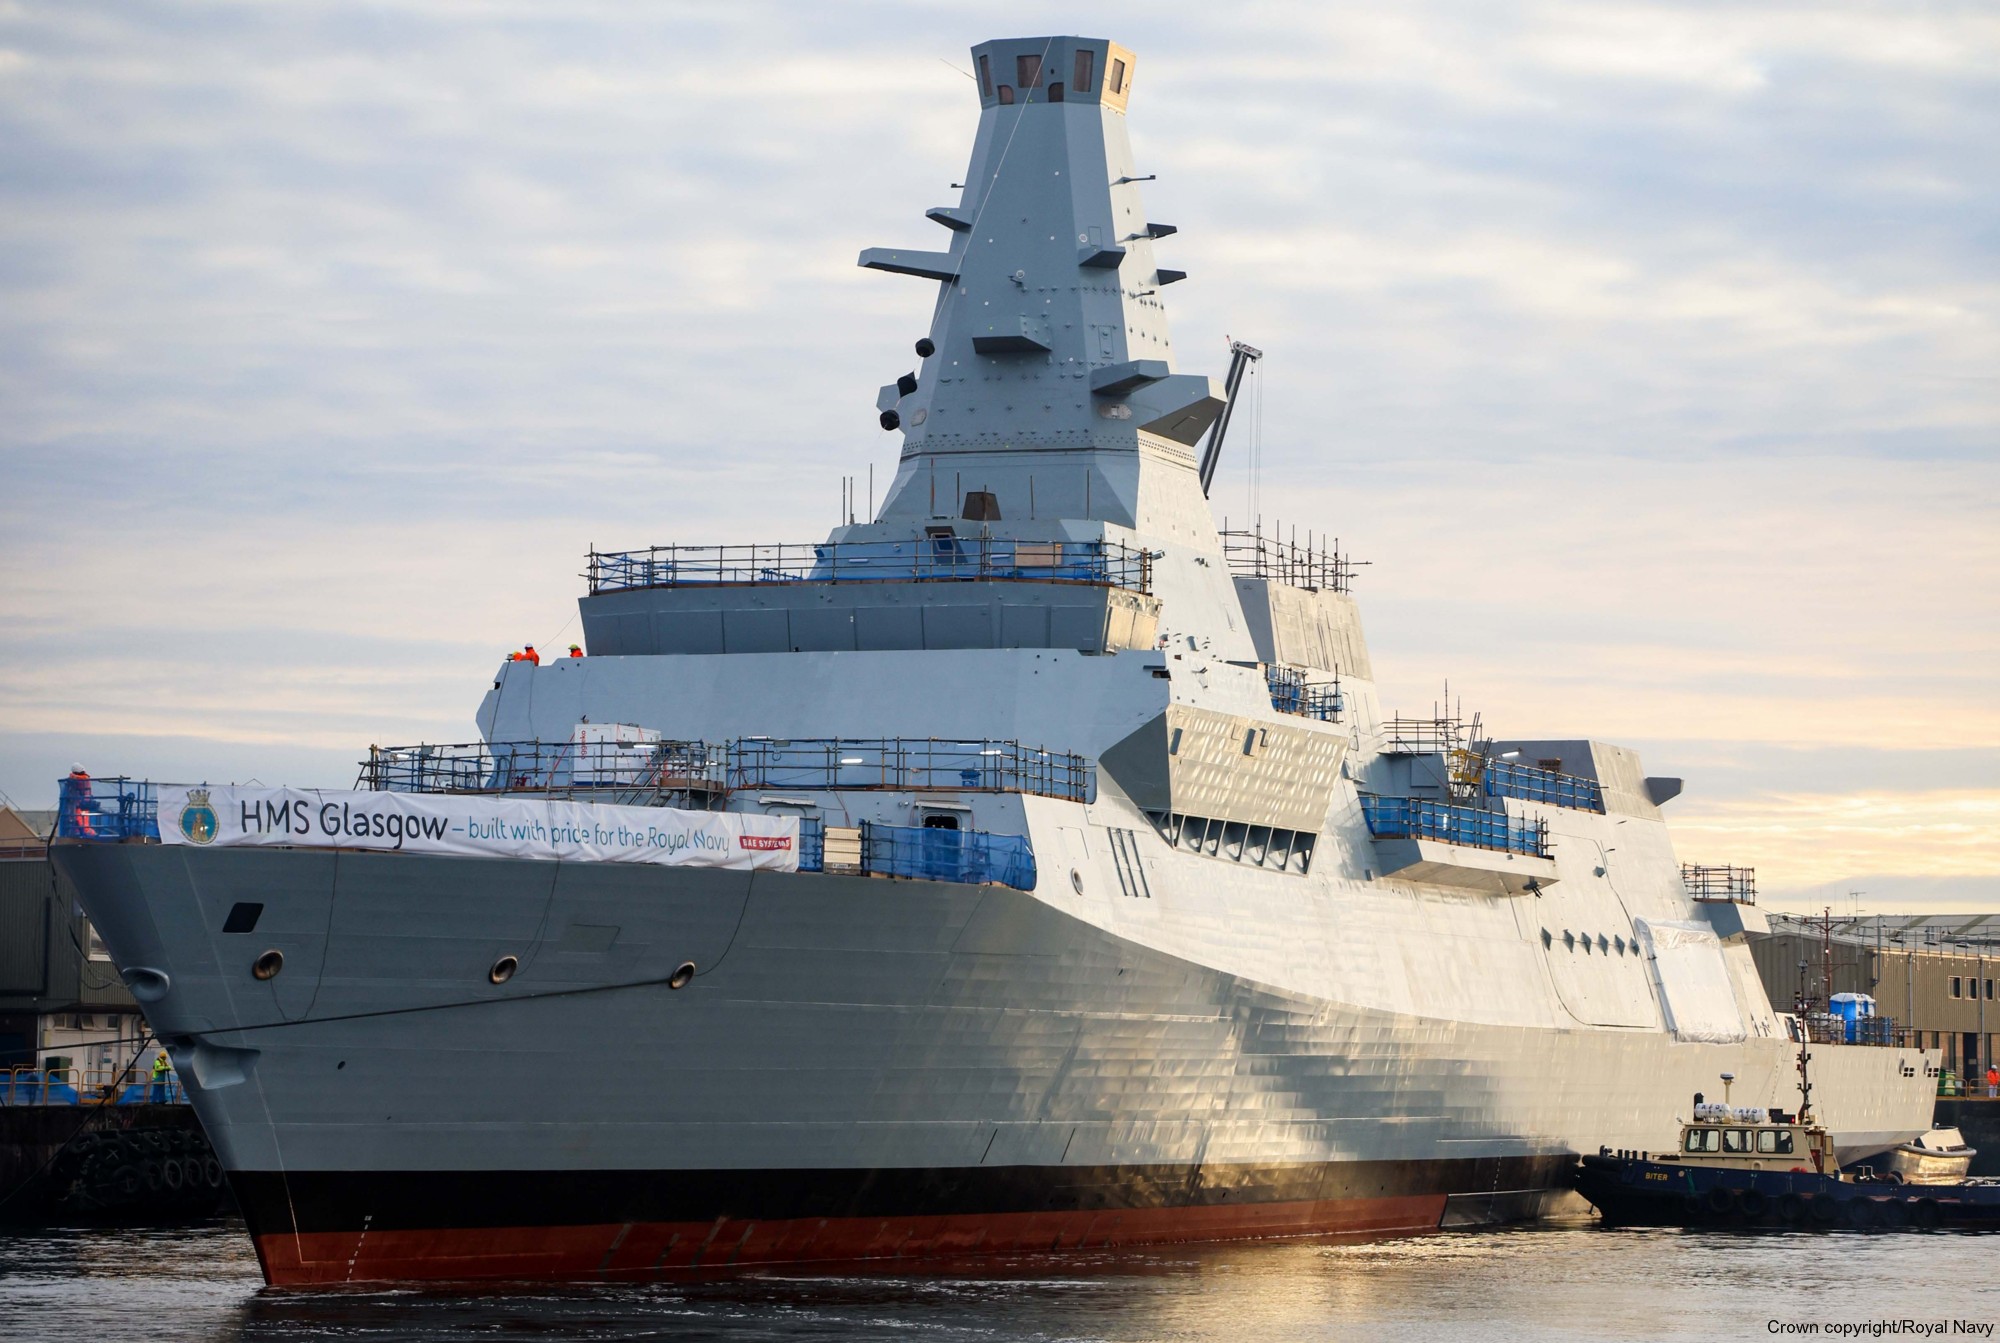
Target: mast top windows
(1032, 70)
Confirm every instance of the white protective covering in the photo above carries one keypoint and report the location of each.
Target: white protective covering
(611, 752)
(1694, 980)
(477, 827)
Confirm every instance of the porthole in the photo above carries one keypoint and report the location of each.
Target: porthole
(682, 976)
(503, 969)
(1076, 881)
(267, 965)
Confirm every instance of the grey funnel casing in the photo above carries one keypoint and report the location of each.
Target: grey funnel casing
(1052, 359)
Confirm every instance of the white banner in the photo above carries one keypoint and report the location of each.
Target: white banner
(478, 827)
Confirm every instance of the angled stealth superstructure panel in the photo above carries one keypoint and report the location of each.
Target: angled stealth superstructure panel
(1051, 344)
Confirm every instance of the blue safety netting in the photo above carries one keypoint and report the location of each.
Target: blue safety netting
(1530, 784)
(948, 855)
(812, 844)
(1291, 693)
(1419, 818)
(108, 809)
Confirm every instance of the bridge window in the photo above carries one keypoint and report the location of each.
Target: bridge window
(1117, 75)
(985, 78)
(1086, 67)
(1027, 71)
(1006, 95)
(1055, 93)
(1702, 1140)
(1736, 1140)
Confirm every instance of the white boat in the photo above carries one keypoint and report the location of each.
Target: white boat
(1940, 1156)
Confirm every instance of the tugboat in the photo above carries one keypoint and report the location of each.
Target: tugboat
(1740, 1165)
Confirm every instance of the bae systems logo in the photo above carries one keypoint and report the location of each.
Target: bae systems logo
(198, 821)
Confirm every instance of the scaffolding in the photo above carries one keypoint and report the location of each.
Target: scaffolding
(1292, 693)
(1440, 734)
(1731, 885)
(1318, 565)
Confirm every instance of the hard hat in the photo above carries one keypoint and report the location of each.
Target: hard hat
(78, 768)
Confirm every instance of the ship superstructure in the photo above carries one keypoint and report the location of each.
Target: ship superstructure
(1121, 911)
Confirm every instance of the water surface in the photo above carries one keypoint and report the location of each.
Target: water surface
(1574, 1281)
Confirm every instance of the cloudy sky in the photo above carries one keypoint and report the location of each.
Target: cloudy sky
(1651, 353)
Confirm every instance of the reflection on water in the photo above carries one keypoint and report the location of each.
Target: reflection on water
(1573, 1281)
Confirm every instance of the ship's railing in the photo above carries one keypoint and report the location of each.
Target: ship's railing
(905, 763)
(109, 809)
(689, 772)
(1292, 693)
(647, 773)
(1734, 885)
(921, 853)
(87, 1086)
(932, 559)
(1421, 818)
(1319, 566)
(1505, 778)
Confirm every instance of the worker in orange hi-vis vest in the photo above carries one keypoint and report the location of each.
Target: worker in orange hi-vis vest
(576, 650)
(530, 655)
(78, 801)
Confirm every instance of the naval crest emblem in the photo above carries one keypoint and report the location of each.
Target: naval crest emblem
(198, 821)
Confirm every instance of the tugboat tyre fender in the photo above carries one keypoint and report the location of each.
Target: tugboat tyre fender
(1825, 1209)
(124, 1181)
(1720, 1201)
(1925, 1214)
(1752, 1205)
(1791, 1209)
(172, 1175)
(149, 1175)
(1895, 1214)
(1861, 1213)
(211, 1172)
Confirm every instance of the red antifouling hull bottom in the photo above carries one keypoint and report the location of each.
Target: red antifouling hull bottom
(641, 1250)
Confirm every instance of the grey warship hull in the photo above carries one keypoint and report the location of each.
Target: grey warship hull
(866, 1069)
